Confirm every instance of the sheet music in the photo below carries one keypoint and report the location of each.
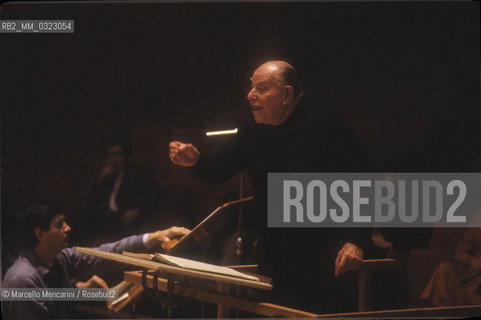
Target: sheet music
(201, 266)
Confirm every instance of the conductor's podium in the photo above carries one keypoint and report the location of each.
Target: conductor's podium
(224, 296)
(218, 289)
(221, 293)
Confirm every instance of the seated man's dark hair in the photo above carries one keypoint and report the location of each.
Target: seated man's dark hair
(38, 215)
(119, 141)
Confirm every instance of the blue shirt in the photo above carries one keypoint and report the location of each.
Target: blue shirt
(31, 271)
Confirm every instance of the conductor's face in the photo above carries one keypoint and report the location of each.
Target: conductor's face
(266, 95)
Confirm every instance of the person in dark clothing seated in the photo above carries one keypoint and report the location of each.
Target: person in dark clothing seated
(124, 200)
(46, 262)
(308, 266)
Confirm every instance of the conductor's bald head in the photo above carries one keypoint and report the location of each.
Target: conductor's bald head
(288, 74)
(276, 91)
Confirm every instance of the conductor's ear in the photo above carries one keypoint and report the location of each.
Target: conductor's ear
(287, 94)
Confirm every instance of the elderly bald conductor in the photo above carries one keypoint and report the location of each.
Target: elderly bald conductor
(272, 99)
(287, 135)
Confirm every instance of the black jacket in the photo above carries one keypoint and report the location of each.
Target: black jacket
(310, 140)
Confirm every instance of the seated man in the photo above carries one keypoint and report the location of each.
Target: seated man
(46, 262)
(123, 201)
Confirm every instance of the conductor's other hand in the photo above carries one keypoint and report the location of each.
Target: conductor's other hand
(183, 154)
(348, 258)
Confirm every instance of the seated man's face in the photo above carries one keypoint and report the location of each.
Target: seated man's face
(116, 158)
(57, 235)
(265, 97)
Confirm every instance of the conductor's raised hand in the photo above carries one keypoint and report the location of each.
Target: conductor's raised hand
(183, 154)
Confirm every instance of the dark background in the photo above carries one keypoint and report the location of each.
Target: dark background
(405, 75)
